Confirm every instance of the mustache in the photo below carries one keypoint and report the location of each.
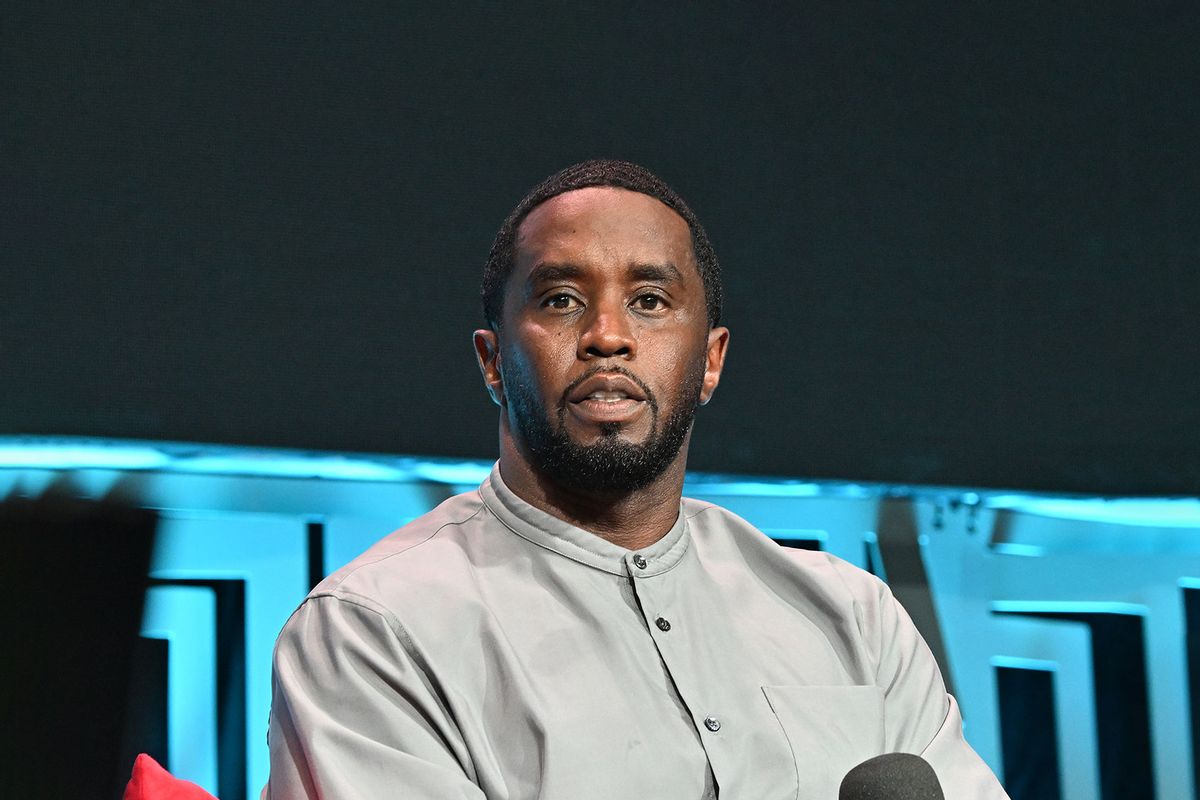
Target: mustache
(619, 370)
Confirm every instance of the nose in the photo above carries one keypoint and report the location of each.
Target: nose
(607, 333)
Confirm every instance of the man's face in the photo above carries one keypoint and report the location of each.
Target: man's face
(604, 348)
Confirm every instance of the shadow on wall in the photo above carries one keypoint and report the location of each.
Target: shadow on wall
(74, 579)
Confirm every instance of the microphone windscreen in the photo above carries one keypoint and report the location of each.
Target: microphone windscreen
(892, 776)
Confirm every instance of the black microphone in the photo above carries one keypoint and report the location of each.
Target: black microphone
(892, 776)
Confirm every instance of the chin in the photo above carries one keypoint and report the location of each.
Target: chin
(609, 432)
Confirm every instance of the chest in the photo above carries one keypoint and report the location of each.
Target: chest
(607, 686)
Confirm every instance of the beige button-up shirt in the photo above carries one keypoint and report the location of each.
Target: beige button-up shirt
(490, 650)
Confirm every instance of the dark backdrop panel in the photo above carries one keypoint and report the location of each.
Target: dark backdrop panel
(960, 243)
(74, 579)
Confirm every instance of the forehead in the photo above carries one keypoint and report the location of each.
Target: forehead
(602, 226)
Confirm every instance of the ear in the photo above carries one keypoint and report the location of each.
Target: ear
(487, 354)
(714, 362)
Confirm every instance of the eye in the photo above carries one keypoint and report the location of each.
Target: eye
(649, 302)
(561, 301)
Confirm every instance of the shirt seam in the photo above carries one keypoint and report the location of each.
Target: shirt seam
(883, 595)
(407, 644)
(341, 580)
(704, 506)
(685, 539)
(366, 603)
(499, 518)
(941, 727)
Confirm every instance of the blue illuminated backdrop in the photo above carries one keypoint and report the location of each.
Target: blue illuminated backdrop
(1068, 627)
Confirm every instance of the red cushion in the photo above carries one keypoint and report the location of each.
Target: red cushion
(150, 781)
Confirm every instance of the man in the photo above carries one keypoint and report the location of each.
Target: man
(574, 629)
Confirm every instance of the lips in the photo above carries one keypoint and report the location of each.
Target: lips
(610, 398)
(611, 388)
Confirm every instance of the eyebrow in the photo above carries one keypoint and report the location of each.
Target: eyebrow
(661, 273)
(553, 272)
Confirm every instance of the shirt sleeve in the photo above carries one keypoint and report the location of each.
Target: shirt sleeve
(921, 717)
(355, 716)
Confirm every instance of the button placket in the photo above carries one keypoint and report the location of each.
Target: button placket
(658, 594)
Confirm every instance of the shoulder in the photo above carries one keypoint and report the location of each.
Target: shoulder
(718, 532)
(434, 551)
(420, 576)
(711, 523)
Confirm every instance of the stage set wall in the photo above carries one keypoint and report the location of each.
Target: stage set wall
(1067, 626)
(959, 240)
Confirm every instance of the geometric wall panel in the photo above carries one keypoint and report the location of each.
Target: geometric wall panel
(1029, 731)
(1071, 625)
(268, 554)
(1063, 651)
(1120, 690)
(1112, 568)
(216, 673)
(1190, 593)
(186, 618)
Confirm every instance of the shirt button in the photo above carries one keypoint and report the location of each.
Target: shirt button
(712, 723)
(663, 625)
(639, 562)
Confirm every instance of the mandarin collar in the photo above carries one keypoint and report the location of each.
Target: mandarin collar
(577, 544)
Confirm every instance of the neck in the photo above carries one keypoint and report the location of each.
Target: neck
(632, 520)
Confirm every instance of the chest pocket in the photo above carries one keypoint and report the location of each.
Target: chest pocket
(830, 729)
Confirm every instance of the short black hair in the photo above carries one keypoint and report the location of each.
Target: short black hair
(598, 172)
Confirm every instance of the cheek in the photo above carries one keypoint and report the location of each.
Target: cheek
(677, 362)
(687, 351)
(541, 360)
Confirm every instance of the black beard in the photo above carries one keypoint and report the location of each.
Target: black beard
(611, 466)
